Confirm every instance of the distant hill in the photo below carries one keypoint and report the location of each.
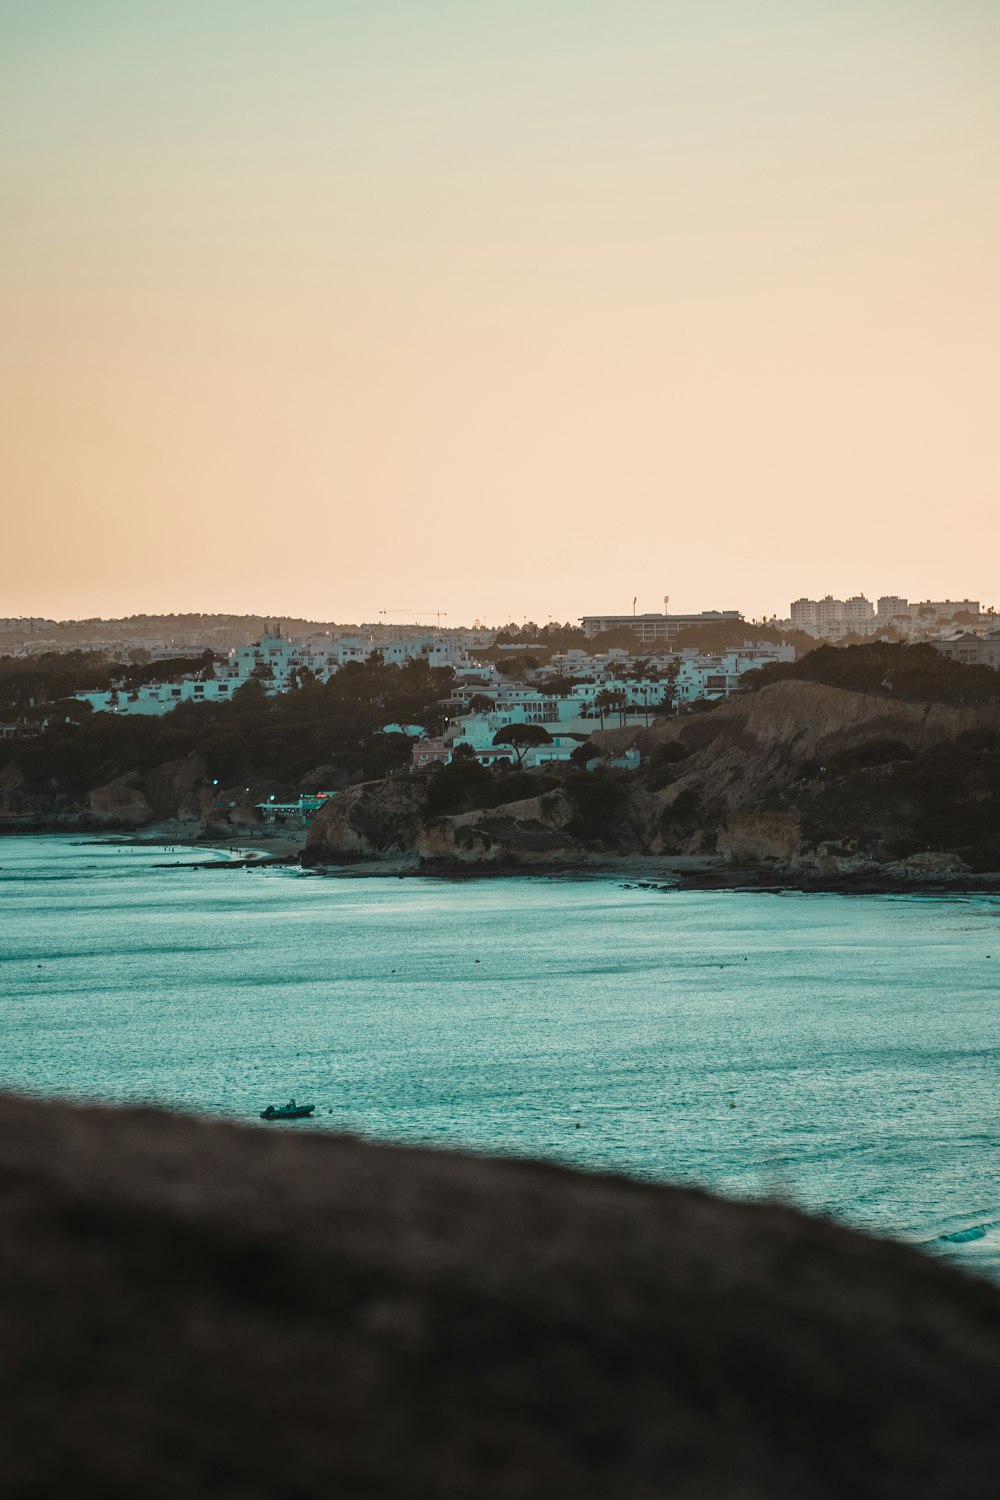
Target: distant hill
(188, 630)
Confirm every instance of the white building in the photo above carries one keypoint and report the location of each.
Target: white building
(436, 650)
(655, 627)
(830, 619)
(157, 698)
(714, 677)
(971, 648)
(277, 660)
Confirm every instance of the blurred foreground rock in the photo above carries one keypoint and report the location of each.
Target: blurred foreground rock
(193, 1309)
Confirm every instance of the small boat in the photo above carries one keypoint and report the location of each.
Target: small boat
(289, 1111)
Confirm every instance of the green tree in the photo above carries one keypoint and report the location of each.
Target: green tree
(517, 666)
(522, 737)
(611, 700)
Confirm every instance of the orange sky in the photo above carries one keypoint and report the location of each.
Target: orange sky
(495, 307)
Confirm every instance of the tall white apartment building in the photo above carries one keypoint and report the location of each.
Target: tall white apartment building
(834, 618)
(858, 614)
(829, 615)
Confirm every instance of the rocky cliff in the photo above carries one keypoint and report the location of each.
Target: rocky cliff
(201, 1310)
(780, 773)
(756, 744)
(176, 791)
(120, 804)
(373, 818)
(527, 831)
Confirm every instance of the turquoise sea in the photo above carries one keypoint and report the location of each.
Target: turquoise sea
(839, 1051)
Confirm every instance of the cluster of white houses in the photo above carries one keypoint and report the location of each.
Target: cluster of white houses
(616, 687)
(279, 663)
(608, 691)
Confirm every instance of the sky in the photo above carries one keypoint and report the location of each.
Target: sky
(497, 308)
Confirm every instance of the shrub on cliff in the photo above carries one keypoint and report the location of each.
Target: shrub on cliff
(661, 768)
(458, 787)
(600, 803)
(879, 751)
(914, 673)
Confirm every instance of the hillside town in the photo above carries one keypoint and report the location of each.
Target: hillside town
(511, 701)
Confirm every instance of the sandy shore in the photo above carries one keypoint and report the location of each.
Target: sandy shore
(250, 848)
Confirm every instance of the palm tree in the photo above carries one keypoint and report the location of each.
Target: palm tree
(604, 702)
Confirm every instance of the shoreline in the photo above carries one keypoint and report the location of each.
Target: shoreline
(667, 874)
(663, 873)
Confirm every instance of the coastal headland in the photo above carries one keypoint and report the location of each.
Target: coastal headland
(798, 783)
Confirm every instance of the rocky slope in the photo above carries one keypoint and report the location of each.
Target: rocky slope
(849, 771)
(809, 776)
(178, 791)
(373, 818)
(798, 773)
(195, 1309)
(755, 744)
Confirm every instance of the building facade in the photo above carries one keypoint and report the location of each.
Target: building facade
(655, 627)
(970, 648)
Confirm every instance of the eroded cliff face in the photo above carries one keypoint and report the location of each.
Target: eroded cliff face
(120, 804)
(751, 778)
(374, 818)
(747, 781)
(532, 830)
(172, 789)
(388, 818)
(175, 790)
(755, 745)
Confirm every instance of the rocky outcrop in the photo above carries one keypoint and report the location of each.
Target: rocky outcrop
(171, 789)
(533, 830)
(754, 745)
(195, 1309)
(374, 818)
(389, 818)
(773, 775)
(750, 837)
(120, 804)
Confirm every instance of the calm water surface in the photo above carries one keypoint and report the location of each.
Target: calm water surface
(857, 1037)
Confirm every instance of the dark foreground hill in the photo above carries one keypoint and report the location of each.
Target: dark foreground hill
(191, 1309)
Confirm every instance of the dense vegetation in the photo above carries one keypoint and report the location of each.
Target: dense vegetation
(918, 674)
(727, 635)
(29, 685)
(892, 800)
(335, 725)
